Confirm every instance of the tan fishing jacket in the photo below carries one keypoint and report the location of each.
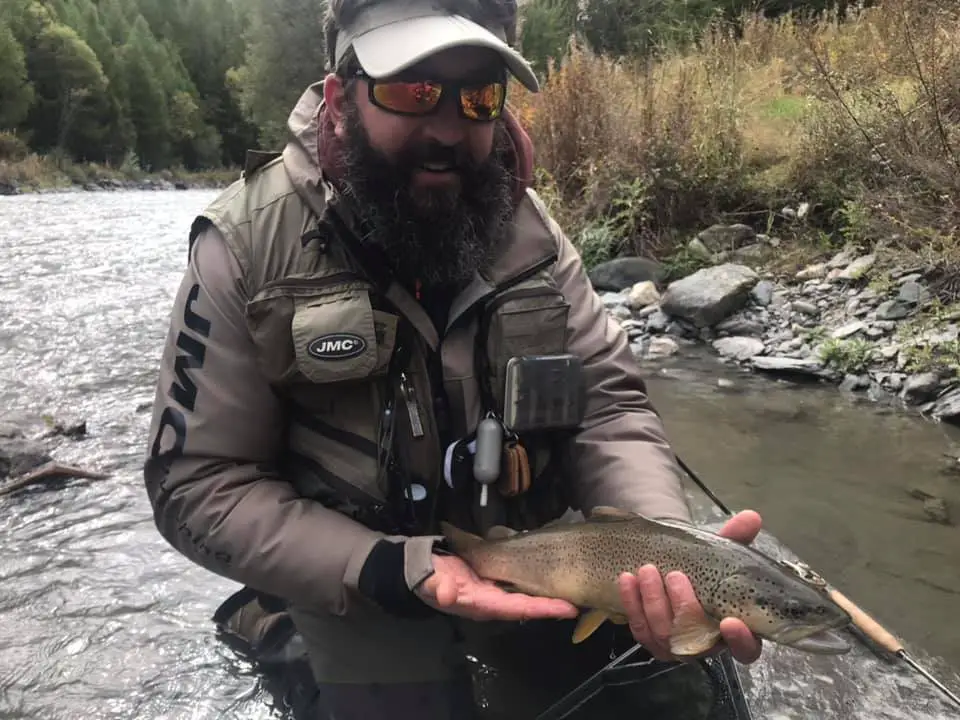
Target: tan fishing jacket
(268, 426)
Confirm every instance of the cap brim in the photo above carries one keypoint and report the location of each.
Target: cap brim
(390, 49)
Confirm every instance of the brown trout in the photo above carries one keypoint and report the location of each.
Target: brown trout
(580, 563)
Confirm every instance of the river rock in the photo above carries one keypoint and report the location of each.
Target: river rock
(852, 382)
(913, 293)
(762, 293)
(781, 364)
(658, 322)
(920, 388)
(643, 294)
(947, 406)
(936, 510)
(19, 455)
(840, 260)
(75, 430)
(612, 299)
(9, 188)
(848, 330)
(894, 310)
(709, 295)
(812, 272)
(889, 380)
(804, 307)
(741, 326)
(858, 268)
(625, 272)
(738, 347)
(727, 237)
(698, 249)
(747, 253)
(661, 347)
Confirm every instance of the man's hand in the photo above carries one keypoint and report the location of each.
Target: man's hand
(651, 606)
(455, 589)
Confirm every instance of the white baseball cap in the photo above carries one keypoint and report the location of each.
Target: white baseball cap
(390, 36)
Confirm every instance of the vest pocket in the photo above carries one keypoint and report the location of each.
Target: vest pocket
(523, 321)
(320, 330)
(334, 336)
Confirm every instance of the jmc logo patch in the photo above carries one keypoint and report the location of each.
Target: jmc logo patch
(337, 346)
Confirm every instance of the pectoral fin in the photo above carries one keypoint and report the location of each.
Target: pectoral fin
(693, 634)
(588, 624)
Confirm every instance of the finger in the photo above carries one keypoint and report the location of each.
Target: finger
(682, 597)
(656, 606)
(684, 601)
(744, 645)
(742, 527)
(445, 591)
(633, 607)
(495, 603)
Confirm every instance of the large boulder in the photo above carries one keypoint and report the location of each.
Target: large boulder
(710, 295)
(946, 407)
(625, 272)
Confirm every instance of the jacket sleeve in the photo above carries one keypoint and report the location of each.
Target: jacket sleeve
(210, 471)
(621, 457)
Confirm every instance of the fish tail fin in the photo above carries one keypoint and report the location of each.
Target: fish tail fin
(460, 540)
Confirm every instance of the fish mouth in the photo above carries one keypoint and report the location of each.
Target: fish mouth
(821, 642)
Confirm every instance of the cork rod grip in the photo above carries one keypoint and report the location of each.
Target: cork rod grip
(870, 627)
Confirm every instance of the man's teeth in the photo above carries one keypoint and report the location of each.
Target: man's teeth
(437, 166)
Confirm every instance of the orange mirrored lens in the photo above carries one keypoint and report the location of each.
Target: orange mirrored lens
(408, 97)
(483, 103)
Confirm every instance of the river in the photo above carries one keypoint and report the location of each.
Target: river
(100, 618)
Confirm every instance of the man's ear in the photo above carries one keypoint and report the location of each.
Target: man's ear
(334, 97)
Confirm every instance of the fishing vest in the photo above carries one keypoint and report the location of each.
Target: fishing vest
(346, 350)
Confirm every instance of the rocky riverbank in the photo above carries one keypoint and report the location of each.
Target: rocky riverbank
(114, 184)
(848, 319)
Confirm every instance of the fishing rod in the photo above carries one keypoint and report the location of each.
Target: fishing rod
(863, 621)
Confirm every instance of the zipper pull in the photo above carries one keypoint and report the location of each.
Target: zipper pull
(413, 408)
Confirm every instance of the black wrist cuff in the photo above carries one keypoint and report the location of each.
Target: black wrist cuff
(382, 580)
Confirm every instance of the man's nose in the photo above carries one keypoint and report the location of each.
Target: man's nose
(445, 125)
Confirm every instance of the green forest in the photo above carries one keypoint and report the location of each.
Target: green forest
(192, 84)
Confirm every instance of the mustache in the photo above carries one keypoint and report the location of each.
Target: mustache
(456, 156)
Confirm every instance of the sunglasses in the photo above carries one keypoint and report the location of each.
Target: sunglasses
(481, 101)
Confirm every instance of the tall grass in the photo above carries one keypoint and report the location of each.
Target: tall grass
(860, 117)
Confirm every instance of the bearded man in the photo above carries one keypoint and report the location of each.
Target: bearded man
(353, 308)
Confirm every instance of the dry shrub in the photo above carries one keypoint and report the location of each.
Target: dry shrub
(860, 116)
(669, 142)
(12, 147)
(30, 170)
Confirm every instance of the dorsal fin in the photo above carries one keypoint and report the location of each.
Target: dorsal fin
(501, 532)
(602, 513)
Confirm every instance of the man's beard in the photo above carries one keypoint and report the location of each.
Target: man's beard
(439, 236)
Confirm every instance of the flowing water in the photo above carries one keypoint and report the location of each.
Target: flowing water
(99, 618)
